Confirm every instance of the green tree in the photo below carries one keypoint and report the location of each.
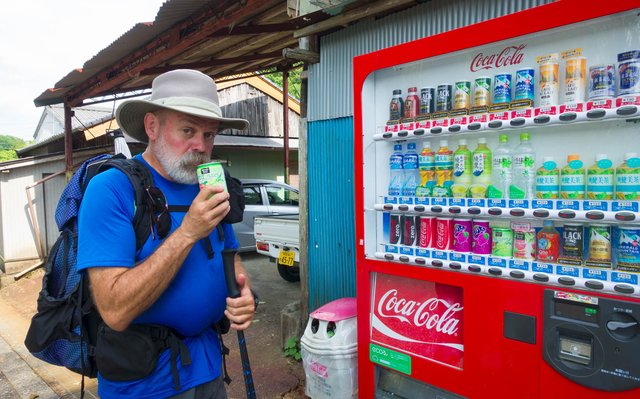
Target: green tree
(294, 81)
(8, 145)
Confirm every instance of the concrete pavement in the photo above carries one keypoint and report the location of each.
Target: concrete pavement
(24, 377)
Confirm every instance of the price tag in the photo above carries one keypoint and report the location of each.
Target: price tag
(573, 205)
(425, 253)
(406, 200)
(542, 267)
(594, 274)
(500, 262)
(442, 255)
(391, 249)
(476, 202)
(519, 203)
(568, 271)
(439, 201)
(477, 260)
(519, 264)
(422, 201)
(390, 200)
(457, 257)
(406, 251)
(542, 204)
(595, 205)
(631, 206)
(497, 203)
(456, 201)
(627, 278)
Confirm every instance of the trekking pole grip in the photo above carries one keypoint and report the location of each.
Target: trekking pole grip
(228, 261)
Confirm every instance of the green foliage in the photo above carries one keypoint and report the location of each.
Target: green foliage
(292, 349)
(294, 81)
(8, 145)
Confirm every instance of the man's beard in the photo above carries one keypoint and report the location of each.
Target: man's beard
(181, 169)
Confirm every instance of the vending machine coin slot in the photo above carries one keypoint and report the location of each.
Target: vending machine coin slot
(593, 341)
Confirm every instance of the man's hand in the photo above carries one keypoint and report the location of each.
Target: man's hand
(240, 310)
(207, 210)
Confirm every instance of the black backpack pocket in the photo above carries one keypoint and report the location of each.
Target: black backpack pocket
(128, 355)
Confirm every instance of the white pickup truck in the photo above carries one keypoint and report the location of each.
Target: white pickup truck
(278, 237)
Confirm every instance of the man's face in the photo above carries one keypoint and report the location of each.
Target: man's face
(183, 142)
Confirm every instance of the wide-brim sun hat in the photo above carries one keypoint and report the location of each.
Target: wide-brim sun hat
(182, 90)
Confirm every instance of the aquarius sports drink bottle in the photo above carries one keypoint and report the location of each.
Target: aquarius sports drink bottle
(396, 174)
(411, 173)
(427, 168)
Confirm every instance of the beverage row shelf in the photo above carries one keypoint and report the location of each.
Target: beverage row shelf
(621, 108)
(600, 280)
(619, 212)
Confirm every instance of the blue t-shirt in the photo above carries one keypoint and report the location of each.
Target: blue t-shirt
(195, 299)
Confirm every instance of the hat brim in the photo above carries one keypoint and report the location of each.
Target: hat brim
(130, 117)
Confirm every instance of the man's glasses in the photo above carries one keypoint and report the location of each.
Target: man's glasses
(160, 218)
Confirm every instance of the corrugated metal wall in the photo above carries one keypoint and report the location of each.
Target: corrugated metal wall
(331, 211)
(331, 80)
(330, 131)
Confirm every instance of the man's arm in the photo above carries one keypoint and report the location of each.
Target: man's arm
(121, 294)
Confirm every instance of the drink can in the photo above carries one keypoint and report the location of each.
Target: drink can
(409, 232)
(462, 235)
(502, 88)
(525, 84)
(600, 242)
(443, 97)
(395, 229)
(572, 243)
(482, 240)
(482, 91)
(442, 239)
(427, 100)
(425, 235)
(524, 244)
(548, 87)
(462, 94)
(628, 249)
(629, 72)
(602, 82)
(211, 174)
(575, 79)
(502, 242)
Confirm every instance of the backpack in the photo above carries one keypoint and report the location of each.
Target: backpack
(64, 329)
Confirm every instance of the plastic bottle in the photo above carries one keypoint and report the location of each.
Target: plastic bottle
(548, 248)
(501, 170)
(548, 179)
(600, 179)
(427, 167)
(411, 173)
(462, 170)
(524, 159)
(396, 107)
(396, 174)
(412, 103)
(444, 170)
(572, 178)
(628, 178)
(481, 170)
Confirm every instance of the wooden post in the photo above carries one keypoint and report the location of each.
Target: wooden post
(68, 142)
(285, 121)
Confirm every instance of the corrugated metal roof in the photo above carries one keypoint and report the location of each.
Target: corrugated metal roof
(223, 140)
(331, 80)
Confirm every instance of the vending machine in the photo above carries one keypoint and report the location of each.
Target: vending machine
(497, 208)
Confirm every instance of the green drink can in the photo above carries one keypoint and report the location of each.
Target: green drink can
(211, 174)
(502, 242)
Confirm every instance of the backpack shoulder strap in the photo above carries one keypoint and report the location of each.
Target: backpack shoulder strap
(141, 180)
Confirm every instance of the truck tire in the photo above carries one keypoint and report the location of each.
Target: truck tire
(289, 273)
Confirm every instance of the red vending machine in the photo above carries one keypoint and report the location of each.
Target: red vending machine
(497, 208)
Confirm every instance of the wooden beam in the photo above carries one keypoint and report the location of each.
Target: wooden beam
(298, 54)
(166, 46)
(355, 14)
(210, 63)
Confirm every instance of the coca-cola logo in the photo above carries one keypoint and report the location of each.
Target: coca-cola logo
(434, 313)
(511, 55)
(441, 234)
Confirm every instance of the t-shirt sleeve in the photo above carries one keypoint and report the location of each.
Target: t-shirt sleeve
(106, 236)
(230, 241)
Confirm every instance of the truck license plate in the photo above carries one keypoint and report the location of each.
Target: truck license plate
(286, 257)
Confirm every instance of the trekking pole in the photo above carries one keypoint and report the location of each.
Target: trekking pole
(228, 256)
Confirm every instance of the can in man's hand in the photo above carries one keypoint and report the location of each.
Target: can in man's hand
(211, 174)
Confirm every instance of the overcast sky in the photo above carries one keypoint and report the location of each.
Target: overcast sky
(41, 41)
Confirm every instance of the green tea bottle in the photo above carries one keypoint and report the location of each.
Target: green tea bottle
(462, 170)
(628, 178)
(600, 179)
(548, 179)
(572, 178)
(481, 170)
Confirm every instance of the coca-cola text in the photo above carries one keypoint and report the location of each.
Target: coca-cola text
(511, 55)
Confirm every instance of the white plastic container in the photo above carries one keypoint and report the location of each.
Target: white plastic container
(329, 351)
